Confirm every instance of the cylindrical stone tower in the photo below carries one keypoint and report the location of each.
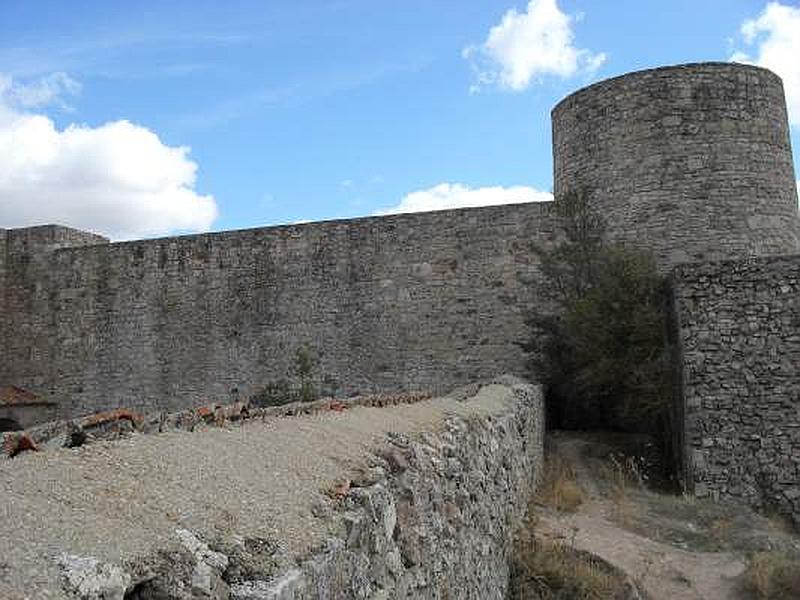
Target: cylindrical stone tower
(692, 162)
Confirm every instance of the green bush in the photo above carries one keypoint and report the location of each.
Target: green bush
(304, 363)
(604, 353)
(298, 386)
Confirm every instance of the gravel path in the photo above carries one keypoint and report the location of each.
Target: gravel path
(117, 501)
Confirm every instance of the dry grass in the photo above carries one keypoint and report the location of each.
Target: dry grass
(772, 576)
(556, 571)
(559, 488)
(622, 474)
(719, 533)
(701, 525)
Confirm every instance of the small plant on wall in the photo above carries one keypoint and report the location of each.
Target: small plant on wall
(304, 363)
(299, 384)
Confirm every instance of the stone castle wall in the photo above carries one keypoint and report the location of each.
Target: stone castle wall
(692, 162)
(441, 523)
(426, 300)
(739, 342)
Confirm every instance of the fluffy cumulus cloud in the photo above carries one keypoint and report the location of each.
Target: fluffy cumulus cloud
(455, 195)
(773, 41)
(527, 45)
(118, 179)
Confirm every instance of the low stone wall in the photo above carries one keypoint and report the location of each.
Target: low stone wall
(439, 519)
(384, 496)
(738, 326)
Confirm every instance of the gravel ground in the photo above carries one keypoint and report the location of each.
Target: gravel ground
(123, 500)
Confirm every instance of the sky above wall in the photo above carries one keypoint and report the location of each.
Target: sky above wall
(137, 119)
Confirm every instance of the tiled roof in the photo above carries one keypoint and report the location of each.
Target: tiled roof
(11, 395)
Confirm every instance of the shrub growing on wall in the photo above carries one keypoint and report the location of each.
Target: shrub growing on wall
(297, 386)
(604, 354)
(304, 363)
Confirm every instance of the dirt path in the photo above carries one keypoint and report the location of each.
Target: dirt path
(662, 571)
(657, 540)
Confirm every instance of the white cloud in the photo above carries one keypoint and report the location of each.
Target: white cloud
(456, 195)
(526, 46)
(47, 90)
(775, 36)
(118, 179)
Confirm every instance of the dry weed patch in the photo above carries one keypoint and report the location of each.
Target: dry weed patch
(772, 576)
(622, 475)
(556, 571)
(559, 488)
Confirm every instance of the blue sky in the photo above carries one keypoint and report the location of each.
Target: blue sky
(149, 118)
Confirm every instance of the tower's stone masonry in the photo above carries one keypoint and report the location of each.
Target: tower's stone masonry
(692, 162)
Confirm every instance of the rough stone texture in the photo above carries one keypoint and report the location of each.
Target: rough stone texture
(29, 320)
(434, 491)
(692, 162)
(739, 353)
(392, 303)
(89, 579)
(439, 524)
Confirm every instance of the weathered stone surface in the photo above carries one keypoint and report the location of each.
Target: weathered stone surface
(692, 161)
(429, 530)
(90, 579)
(284, 588)
(404, 302)
(209, 566)
(739, 356)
